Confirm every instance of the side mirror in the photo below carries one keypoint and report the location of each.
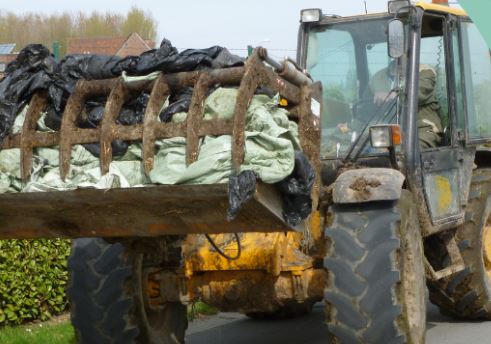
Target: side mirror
(395, 39)
(398, 6)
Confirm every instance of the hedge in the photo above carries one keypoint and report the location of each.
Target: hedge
(33, 278)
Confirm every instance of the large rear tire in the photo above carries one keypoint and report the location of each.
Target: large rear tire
(107, 298)
(375, 288)
(467, 294)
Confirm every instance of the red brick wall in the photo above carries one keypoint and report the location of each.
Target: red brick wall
(120, 46)
(103, 45)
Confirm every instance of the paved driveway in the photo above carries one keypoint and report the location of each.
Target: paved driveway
(232, 328)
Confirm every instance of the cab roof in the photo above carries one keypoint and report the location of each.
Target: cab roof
(441, 8)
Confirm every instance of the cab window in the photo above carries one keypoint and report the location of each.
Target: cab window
(477, 82)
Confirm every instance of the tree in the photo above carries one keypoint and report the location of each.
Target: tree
(141, 22)
(26, 28)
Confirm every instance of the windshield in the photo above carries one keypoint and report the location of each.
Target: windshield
(360, 81)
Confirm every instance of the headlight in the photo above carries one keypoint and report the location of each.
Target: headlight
(310, 15)
(385, 135)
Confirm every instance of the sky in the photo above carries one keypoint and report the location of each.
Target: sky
(201, 24)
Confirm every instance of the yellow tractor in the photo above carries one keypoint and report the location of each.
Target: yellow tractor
(400, 199)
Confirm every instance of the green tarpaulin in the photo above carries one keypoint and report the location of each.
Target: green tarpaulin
(271, 139)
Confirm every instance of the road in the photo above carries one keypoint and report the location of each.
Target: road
(232, 328)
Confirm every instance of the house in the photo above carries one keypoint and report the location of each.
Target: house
(6, 55)
(134, 44)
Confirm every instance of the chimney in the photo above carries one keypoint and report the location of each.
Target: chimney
(440, 2)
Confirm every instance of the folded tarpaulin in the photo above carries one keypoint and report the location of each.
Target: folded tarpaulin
(271, 139)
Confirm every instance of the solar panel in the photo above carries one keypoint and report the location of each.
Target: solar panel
(7, 48)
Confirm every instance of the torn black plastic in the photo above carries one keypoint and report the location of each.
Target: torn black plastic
(296, 191)
(241, 188)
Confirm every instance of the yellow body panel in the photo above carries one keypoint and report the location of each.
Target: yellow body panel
(273, 270)
(269, 252)
(441, 8)
(487, 249)
(445, 195)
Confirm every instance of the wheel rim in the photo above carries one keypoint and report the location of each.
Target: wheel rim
(154, 314)
(487, 249)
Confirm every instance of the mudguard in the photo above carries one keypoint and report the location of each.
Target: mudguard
(367, 185)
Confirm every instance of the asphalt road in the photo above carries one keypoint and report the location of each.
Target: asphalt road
(232, 328)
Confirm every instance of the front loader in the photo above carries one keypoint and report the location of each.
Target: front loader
(389, 216)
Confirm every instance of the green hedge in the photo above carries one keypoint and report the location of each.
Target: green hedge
(33, 278)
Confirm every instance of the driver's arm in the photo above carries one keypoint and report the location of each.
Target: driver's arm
(430, 127)
(380, 84)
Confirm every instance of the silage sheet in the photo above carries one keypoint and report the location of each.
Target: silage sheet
(271, 139)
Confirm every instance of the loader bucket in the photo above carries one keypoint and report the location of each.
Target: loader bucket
(136, 212)
(152, 210)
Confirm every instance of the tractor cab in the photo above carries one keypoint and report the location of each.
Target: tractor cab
(404, 90)
(404, 119)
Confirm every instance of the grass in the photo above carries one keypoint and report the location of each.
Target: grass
(41, 333)
(198, 308)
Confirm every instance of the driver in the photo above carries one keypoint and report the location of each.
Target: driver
(430, 127)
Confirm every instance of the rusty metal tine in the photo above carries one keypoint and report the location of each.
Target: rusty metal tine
(158, 96)
(285, 88)
(73, 109)
(308, 125)
(254, 74)
(250, 82)
(36, 105)
(195, 117)
(11, 141)
(113, 107)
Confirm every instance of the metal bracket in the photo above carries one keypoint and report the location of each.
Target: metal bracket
(456, 260)
(299, 285)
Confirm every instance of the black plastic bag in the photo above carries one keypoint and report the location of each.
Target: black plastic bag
(152, 60)
(133, 112)
(119, 148)
(31, 71)
(35, 69)
(88, 67)
(241, 188)
(7, 109)
(197, 59)
(179, 102)
(296, 189)
(226, 60)
(167, 59)
(53, 118)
